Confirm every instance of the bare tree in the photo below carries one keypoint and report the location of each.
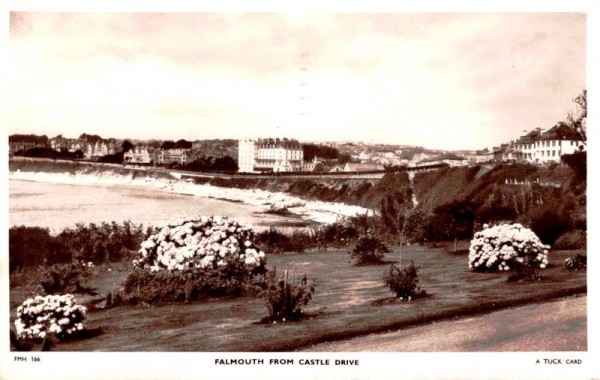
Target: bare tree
(578, 119)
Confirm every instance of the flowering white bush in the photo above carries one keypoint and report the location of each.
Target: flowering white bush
(500, 246)
(206, 243)
(54, 314)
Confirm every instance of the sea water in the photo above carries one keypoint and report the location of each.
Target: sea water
(58, 206)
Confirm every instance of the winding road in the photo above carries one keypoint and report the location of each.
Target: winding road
(554, 326)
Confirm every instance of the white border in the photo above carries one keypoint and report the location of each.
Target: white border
(372, 365)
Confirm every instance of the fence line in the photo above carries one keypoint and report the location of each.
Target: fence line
(528, 183)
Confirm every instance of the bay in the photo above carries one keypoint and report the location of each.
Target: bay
(58, 206)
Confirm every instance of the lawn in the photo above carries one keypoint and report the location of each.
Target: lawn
(349, 301)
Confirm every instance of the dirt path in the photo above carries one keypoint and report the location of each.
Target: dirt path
(553, 326)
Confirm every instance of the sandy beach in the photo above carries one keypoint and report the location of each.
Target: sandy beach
(311, 210)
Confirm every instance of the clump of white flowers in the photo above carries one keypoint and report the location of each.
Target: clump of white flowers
(41, 316)
(502, 246)
(206, 243)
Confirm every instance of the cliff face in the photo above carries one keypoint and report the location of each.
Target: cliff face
(361, 192)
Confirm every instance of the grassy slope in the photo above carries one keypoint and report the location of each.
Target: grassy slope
(442, 186)
(345, 298)
(481, 187)
(445, 185)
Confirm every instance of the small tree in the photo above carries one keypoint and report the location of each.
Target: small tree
(183, 144)
(168, 144)
(126, 146)
(369, 249)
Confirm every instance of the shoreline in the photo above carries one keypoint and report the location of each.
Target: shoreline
(309, 210)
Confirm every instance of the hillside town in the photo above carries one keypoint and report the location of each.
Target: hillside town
(538, 147)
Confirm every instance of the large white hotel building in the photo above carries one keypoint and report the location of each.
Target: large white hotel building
(266, 155)
(543, 147)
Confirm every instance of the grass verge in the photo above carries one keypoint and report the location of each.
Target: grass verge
(344, 305)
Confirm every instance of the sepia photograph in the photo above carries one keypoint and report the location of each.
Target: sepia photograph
(315, 193)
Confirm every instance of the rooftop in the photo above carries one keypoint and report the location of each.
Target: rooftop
(560, 131)
(278, 143)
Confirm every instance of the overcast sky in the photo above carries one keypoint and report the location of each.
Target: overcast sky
(447, 81)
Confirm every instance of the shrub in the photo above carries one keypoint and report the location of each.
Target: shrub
(496, 213)
(502, 246)
(369, 250)
(55, 315)
(285, 300)
(22, 277)
(403, 281)
(207, 242)
(452, 220)
(578, 162)
(102, 243)
(273, 240)
(339, 234)
(301, 241)
(193, 259)
(576, 262)
(571, 240)
(63, 278)
(30, 247)
(143, 286)
(107, 242)
(549, 224)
